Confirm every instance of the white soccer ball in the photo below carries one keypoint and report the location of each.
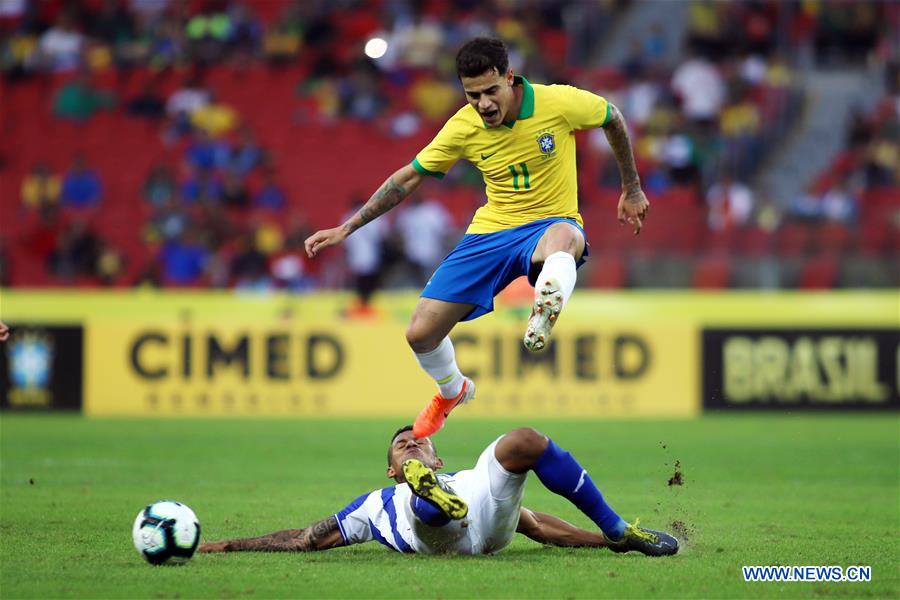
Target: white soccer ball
(166, 532)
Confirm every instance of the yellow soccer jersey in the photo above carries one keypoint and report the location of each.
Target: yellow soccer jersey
(528, 165)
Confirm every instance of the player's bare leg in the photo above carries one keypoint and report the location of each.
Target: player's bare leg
(558, 250)
(427, 334)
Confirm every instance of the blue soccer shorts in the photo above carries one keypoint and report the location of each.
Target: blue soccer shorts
(482, 264)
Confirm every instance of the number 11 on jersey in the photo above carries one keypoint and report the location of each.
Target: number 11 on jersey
(524, 174)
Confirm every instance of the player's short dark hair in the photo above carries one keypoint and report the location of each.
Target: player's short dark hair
(393, 437)
(482, 54)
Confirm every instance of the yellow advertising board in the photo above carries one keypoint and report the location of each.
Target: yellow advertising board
(335, 367)
(646, 354)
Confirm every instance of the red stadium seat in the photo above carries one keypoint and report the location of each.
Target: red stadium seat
(607, 271)
(756, 242)
(712, 272)
(820, 272)
(793, 239)
(831, 238)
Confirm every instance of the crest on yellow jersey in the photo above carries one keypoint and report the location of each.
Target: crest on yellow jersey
(547, 143)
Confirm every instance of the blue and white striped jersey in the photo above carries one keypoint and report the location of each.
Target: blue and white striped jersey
(386, 517)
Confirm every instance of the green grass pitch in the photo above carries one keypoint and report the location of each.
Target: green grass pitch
(758, 490)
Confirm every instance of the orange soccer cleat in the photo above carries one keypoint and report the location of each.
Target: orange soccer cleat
(432, 417)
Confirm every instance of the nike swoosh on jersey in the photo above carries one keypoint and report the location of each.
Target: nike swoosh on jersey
(487, 156)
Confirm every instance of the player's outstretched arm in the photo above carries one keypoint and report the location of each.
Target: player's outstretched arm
(633, 205)
(393, 191)
(322, 535)
(547, 529)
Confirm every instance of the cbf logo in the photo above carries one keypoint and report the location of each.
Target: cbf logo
(547, 143)
(30, 369)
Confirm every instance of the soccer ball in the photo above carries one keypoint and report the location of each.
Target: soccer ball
(166, 532)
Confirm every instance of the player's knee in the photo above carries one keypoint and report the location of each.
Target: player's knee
(420, 339)
(562, 237)
(527, 443)
(568, 241)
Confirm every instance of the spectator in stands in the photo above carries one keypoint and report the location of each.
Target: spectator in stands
(730, 204)
(78, 99)
(740, 126)
(62, 45)
(288, 267)
(679, 155)
(40, 188)
(359, 94)
(169, 222)
(423, 226)
(245, 34)
(166, 45)
(419, 39)
(246, 155)
(148, 103)
(841, 203)
(81, 186)
(184, 260)
(159, 187)
(234, 191)
(201, 186)
(206, 153)
(214, 118)
(250, 266)
(76, 252)
(186, 99)
(207, 32)
(699, 85)
(635, 61)
(882, 158)
(268, 236)
(110, 264)
(281, 43)
(270, 195)
(434, 98)
(364, 259)
(114, 25)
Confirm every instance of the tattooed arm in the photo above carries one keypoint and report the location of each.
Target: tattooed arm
(393, 191)
(633, 204)
(322, 535)
(551, 530)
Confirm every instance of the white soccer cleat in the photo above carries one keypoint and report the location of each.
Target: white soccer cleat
(548, 303)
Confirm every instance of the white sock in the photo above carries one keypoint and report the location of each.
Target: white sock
(561, 267)
(440, 363)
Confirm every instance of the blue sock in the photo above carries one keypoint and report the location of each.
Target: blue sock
(428, 513)
(561, 474)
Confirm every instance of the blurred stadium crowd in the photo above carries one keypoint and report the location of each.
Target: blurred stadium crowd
(197, 143)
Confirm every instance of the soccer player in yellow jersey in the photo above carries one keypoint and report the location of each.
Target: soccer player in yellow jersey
(521, 137)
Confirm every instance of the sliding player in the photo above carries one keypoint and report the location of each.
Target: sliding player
(476, 511)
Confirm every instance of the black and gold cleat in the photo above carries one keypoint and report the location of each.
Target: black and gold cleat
(425, 484)
(645, 541)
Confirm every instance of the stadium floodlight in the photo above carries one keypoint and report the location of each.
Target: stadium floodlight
(376, 47)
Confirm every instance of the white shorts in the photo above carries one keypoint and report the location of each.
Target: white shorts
(494, 496)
